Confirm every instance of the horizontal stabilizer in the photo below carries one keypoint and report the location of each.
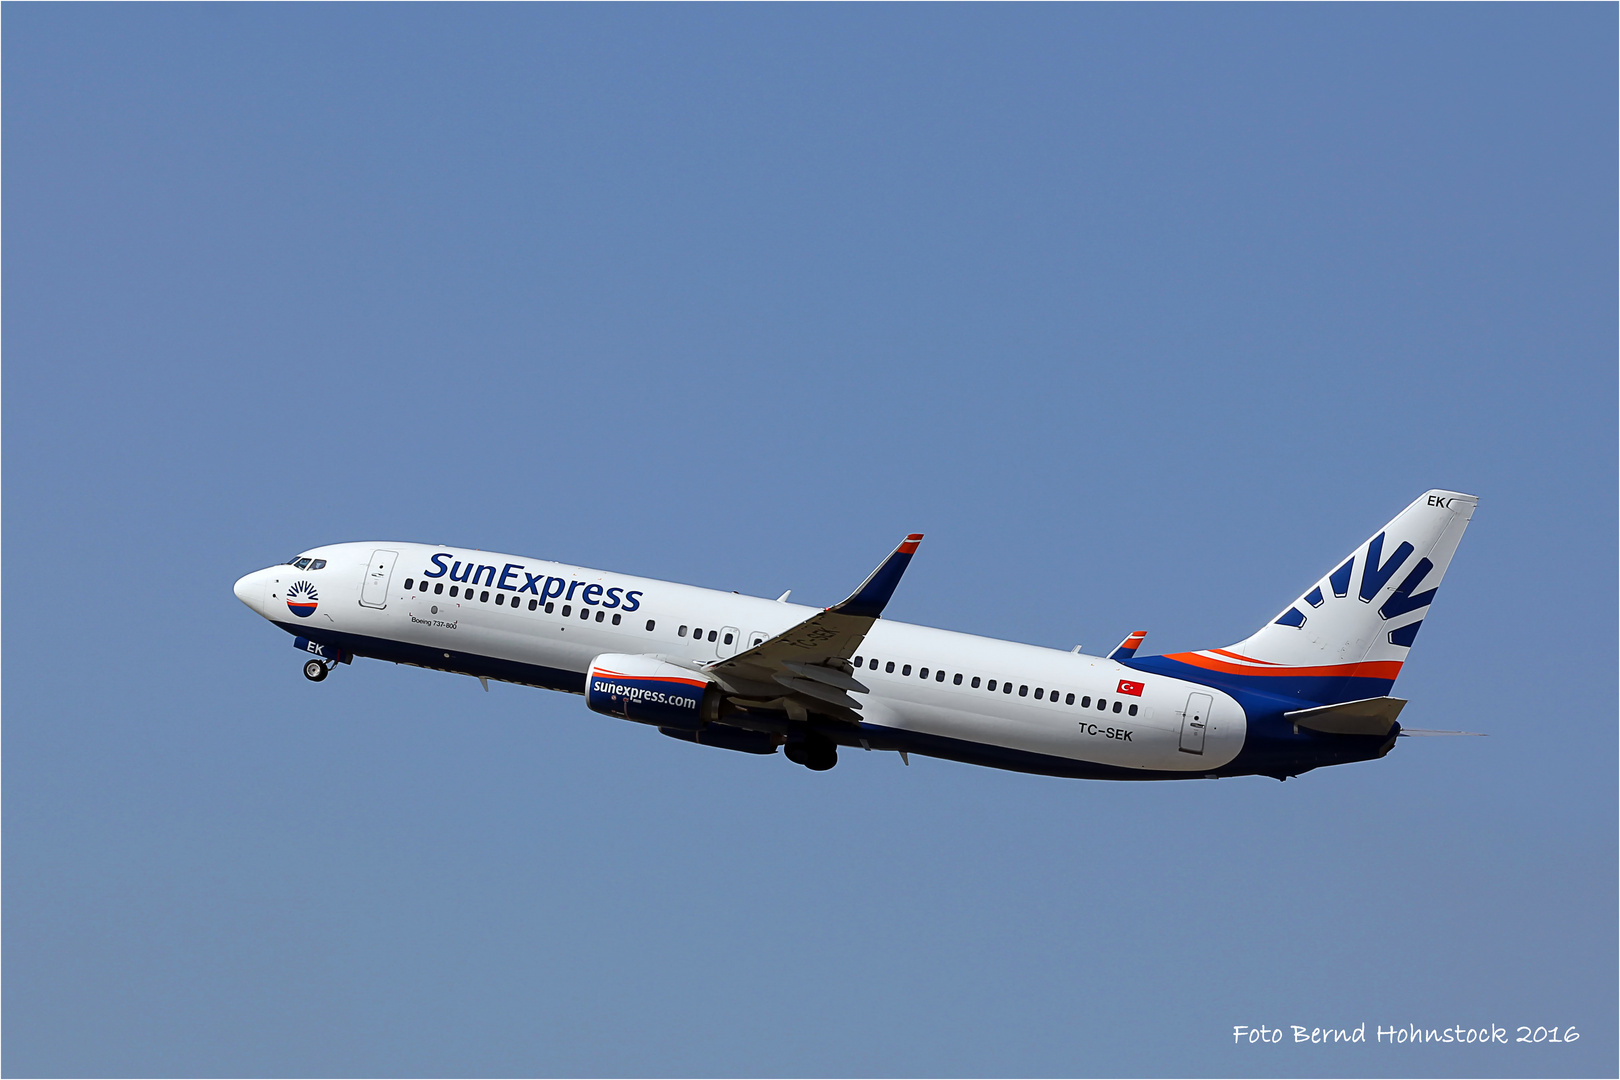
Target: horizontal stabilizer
(1369, 716)
(1127, 648)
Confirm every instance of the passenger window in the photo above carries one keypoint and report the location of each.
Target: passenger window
(1006, 688)
(1102, 705)
(906, 670)
(585, 613)
(1133, 710)
(318, 564)
(992, 686)
(616, 617)
(1023, 691)
(438, 587)
(956, 680)
(408, 584)
(681, 632)
(1116, 706)
(550, 607)
(873, 664)
(711, 635)
(939, 676)
(453, 590)
(889, 667)
(697, 634)
(1069, 700)
(923, 674)
(500, 599)
(650, 624)
(568, 609)
(1039, 694)
(975, 682)
(728, 639)
(600, 615)
(759, 641)
(533, 604)
(857, 659)
(483, 597)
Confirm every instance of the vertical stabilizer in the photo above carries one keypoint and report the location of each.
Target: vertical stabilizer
(1346, 637)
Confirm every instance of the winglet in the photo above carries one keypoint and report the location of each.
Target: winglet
(873, 596)
(1127, 648)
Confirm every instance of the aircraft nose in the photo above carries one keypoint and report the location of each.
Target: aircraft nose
(249, 589)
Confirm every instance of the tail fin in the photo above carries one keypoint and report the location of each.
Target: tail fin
(1347, 636)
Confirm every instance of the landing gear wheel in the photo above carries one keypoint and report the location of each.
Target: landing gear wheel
(314, 671)
(818, 755)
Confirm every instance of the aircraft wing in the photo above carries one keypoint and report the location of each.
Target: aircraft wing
(808, 665)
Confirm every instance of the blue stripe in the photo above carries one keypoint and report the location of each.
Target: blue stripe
(1271, 693)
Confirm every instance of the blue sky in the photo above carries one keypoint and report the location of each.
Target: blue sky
(1143, 315)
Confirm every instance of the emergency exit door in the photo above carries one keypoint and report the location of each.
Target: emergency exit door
(1194, 721)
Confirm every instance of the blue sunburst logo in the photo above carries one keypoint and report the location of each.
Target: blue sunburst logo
(301, 599)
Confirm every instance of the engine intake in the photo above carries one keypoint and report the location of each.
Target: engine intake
(650, 691)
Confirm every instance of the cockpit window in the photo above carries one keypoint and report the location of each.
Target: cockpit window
(318, 564)
(302, 564)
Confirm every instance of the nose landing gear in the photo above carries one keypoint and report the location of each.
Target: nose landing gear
(326, 658)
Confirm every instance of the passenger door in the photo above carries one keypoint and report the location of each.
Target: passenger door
(379, 571)
(1194, 722)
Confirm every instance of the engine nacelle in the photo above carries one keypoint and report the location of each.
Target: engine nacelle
(649, 691)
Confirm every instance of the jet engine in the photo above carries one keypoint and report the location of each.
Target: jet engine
(650, 691)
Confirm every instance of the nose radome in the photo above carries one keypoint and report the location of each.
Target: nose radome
(249, 589)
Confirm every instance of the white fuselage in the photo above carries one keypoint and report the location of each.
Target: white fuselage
(1044, 702)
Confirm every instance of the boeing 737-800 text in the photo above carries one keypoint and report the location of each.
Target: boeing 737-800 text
(1310, 688)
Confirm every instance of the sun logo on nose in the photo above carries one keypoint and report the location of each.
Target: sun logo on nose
(301, 599)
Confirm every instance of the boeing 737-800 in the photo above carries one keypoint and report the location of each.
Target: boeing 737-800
(1309, 688)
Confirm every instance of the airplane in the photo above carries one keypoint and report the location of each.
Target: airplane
(1310, 688)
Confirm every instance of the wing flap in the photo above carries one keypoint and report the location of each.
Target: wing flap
(830, 676)
(820, 691)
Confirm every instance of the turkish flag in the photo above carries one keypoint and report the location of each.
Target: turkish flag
(1134, 689)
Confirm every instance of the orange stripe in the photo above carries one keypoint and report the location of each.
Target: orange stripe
(644, 678)
(1240, 656)
(1369, 669)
